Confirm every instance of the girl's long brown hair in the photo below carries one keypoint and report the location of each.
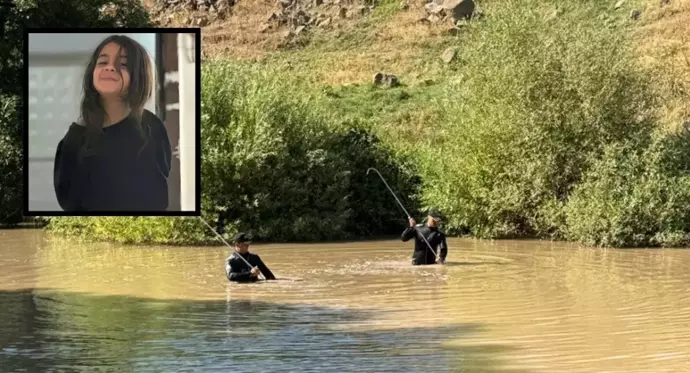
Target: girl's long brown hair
(140, 88)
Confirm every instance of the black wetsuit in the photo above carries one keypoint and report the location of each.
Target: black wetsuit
(422, 254)
(237, 270)
(118, 178)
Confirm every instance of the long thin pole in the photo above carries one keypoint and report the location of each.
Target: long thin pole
(403, 207)
(222, 239)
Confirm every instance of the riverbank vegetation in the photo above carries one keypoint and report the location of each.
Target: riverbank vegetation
(547, 119)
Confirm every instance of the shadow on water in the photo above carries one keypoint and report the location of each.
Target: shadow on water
(44, 330)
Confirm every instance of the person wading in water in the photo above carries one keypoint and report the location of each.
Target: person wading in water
(423, 254)
(237, 270)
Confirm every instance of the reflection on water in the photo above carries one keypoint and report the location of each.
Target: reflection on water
(516, 306)
(128, 334)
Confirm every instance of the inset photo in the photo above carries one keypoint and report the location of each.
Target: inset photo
(112, 122)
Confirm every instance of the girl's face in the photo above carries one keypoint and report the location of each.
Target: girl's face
(106, 79)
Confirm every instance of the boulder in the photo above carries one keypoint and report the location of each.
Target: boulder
(459, 9)
(383, 79)
(433, 8)
(449, 54)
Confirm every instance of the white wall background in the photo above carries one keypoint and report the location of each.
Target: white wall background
(186, 55)
(56, 68)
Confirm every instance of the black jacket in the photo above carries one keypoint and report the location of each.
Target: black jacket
(422, 254)
(121, 176)
(237, 270)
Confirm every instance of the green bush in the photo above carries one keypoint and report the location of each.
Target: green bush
(634, 196)
(133, 230)
(538, 98)
(10, 162)
(276, 162)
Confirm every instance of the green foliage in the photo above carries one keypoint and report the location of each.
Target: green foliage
(547, 129)
(132, 230)
(537, 99)
(275, 161)
(10, 162)
(634, 196)
(385, 9)
(358, 33)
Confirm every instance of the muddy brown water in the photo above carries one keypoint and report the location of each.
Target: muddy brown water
(503, 306)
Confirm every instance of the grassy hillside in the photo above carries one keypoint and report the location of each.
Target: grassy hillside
(550, 119)
(390, 38)
(664, 46)
(342, 57)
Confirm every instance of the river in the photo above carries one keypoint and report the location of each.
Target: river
(496, 307)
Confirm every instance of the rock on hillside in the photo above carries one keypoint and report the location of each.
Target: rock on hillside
(199, 12)
(295, 15)
(300, 15)
(441, 10)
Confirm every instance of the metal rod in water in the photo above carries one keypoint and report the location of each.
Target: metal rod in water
(390, 190)
(222, 239)
(403, 207)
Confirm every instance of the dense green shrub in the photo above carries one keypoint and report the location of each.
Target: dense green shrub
(10, 162)
(634, 196)
(277, 163)
(541, 94)
(133, 230)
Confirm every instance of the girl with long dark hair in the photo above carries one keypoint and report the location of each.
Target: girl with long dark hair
(117, 156)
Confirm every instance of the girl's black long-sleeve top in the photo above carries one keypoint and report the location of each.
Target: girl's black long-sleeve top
(122, 176)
